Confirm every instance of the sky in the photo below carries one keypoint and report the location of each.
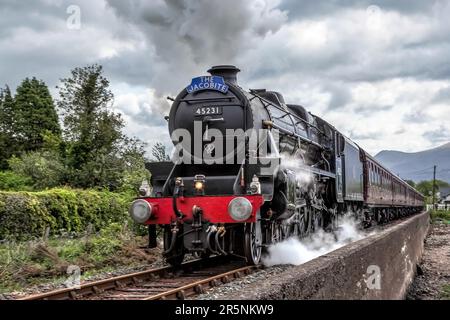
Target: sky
(379, 71)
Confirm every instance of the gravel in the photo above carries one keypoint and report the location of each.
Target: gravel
(223, 290)
(434, 271)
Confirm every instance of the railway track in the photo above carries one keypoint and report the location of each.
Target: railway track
(192, 278)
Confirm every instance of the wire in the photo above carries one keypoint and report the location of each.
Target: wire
(419, 171)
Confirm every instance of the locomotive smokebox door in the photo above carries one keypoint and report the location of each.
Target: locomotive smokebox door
(212, 110)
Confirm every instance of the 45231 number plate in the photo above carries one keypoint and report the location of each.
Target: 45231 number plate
(206, 111)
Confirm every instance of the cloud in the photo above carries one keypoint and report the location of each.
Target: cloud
(143, 110)
(417, 117)
(190, 36)
(440, 135)
(356, 45)
(369, 110)
(443, 95)
(36, 41)
(340, 95)
(379, 70)
(306, 8)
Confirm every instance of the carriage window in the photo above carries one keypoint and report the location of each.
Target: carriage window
(372, 175)
(380, 180)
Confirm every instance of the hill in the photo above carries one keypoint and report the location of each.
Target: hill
(418, 166)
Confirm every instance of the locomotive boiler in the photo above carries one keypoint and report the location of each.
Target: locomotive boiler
(250, 170)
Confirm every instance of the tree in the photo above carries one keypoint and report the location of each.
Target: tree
(8, 145)
(159, 152)
(96, 146)
(134, 170)
(35, 113)
(411, 183)
(426, 187)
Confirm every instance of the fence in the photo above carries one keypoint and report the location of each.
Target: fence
(445, 207)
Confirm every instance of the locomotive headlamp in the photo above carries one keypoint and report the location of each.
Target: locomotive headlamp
(199, 183)
(140, 211)
(240, 209)
(255, 186)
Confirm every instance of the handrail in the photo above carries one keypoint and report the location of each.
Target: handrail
(265, 101)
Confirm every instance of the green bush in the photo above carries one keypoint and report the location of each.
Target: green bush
(44, 168)
(10, 181)
(24, 215)
(441, 215)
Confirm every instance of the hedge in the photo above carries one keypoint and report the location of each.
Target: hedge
(24, 215)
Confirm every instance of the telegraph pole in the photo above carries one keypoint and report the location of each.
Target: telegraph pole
(434, 188)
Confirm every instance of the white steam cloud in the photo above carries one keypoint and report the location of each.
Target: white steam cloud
(295, 252)
(297, 164)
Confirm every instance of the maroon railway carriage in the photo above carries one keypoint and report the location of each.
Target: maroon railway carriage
(386, 194)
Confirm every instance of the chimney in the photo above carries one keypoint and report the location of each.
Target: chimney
(229, 73)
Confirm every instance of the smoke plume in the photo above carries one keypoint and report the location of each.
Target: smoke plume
(188, 37)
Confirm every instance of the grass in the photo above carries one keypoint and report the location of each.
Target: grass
(25, 264)
(440, 216)
(445, 293)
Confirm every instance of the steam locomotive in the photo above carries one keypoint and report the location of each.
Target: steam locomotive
(250, 170)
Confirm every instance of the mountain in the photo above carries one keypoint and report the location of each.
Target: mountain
(418, 166)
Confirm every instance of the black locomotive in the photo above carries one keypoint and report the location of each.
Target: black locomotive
(250, 170)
